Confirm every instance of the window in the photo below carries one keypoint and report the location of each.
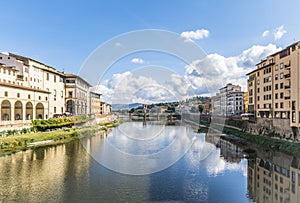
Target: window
(276, 67)
(54, 78)
(281, 85)
(62, 94)
(54, 93)
(281, 95)
(281, 75)
(293, 177)
(258, 98)
(70, 81)
(18, 95)
(281, 104)
(276, 96)
(62, 109)
(46, 98)
(276, 77)
(258, 90)
(276, 86)
(258, 106)
(281, 65)
(47, 76)
(276, 105)
(70, 94)
(54, 109)
(6, 94)
(29, 96)
(258, 74)
(39, 97)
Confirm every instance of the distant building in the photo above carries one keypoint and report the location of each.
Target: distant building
(77, 95)
(246, 102)
(207, 106)
(229, 101)
(95, 103)
(105, 108)
(216, 104)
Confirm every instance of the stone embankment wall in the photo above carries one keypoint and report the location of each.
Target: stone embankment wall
(105, 118)
(279, 128)
(271, 127)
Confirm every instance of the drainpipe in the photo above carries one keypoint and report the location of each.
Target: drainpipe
(297, 93)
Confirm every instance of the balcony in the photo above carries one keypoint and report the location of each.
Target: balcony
(287, 97)
(287, 86)
(287, 75)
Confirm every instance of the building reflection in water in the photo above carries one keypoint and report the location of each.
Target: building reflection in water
(274, 177)
(229, 151)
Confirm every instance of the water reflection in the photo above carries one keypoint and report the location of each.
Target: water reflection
(26, 176)
(213, 170)
(135, 149)
(274, 177)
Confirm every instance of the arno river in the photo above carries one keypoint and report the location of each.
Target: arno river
(208, 169)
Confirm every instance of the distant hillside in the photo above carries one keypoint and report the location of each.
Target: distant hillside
(125, 106)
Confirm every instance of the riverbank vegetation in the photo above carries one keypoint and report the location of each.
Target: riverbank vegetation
(22, 141)
(292, 148)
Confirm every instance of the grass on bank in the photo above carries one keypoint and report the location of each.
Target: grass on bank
(291, 148)
(19, 142)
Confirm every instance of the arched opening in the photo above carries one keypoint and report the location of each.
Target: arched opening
(71, 106)
(29, 111)
(39, 109)
(5, 110)
(18, 110)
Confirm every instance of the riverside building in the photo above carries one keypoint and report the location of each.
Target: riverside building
(32, 90)
(274, 90)
(229, 101)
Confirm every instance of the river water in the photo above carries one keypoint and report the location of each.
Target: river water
(127, 165)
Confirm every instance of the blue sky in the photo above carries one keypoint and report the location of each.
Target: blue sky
(63, 33)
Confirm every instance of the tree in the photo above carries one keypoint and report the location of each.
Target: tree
(200, 108)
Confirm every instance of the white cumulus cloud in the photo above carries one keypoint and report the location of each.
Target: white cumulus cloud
(195, 35)
(279, 32)
(118, 44)
(265, 33)
(216, 70)
(137, 60)
(202, 77)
